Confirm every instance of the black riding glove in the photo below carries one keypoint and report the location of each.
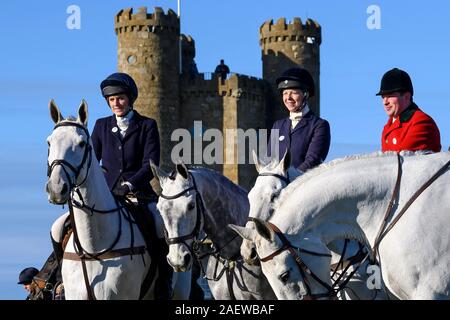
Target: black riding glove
(122, 190)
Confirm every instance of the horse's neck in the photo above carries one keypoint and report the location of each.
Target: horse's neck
(223, 206)
(94, 228)
(342, 202)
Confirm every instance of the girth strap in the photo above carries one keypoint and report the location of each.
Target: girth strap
(107, 255)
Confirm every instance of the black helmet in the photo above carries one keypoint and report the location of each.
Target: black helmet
(395, 80)
(296, 78)
(118, 83)
(27, 275)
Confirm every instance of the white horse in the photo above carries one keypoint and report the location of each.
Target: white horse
(272, 178)
(200, 201)
(106, 256)
(348, 199)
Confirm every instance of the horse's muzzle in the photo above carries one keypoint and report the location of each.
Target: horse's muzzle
(58, 194)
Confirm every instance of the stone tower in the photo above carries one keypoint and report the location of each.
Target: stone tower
(285, 45)
(176, 95)
(148, 50)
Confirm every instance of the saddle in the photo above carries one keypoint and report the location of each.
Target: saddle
(45, 282)
(144, 220)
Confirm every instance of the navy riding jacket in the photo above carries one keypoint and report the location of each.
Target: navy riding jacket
(308, 142)
(127, 158)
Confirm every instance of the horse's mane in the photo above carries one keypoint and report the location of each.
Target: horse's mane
(224, 181)
(329, 165)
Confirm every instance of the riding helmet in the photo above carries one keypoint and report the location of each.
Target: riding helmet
(395, 80)
(296, 78)
(27, 275)
(118, 83)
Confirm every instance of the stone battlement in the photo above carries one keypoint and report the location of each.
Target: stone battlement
(294, 31)
(127, 21)
(203, 85)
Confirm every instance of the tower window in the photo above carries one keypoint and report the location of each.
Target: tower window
(131, 59)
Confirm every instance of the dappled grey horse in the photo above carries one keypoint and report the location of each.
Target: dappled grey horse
(202, 201)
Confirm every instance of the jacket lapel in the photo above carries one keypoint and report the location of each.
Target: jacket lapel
(113, 128)
(389, 127)
(134, 126)
(303, 122)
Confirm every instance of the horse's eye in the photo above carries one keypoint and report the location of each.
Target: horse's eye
(82, 144)
(191, 206)
(284, 277)
(274, 196)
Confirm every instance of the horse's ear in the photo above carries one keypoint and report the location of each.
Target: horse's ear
(245, 233)
(55, 114)
(182, 169)
(286, 161)
(158, 172)
(83, 112)
(264, 230)
(256, 161)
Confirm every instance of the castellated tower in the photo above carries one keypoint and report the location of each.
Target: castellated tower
(148, 50)
(176, 95)
(289, 45)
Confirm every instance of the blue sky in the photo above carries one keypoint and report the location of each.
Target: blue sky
(43, 59)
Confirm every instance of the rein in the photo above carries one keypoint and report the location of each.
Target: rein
(383, 231)
(304, 269)
(80, 253)
(195, 248)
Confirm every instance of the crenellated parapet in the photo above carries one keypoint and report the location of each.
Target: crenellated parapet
(158, 21)
(188, 46)
(236, 86)
(309, 32)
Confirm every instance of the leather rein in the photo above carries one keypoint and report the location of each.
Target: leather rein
(331, 290)
(82, 254)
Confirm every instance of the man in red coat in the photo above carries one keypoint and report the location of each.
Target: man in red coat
(408, 127)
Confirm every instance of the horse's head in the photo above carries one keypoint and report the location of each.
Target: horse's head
(286, 266)
(272, 178)
(68, 152)
(179, 207)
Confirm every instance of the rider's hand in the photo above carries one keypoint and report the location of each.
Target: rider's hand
(122, 190)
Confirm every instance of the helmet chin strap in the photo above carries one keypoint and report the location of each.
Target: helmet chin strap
(304, 102)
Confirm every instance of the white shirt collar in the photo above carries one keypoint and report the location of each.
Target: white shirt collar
(123, 122)
(298, 115)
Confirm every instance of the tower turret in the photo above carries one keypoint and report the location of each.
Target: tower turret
(285, 45)
(148, 50)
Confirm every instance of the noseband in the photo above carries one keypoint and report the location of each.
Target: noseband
(304, 269)
(198, 223)
(87, 156)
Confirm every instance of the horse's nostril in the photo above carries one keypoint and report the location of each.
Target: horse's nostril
(187, 259)
(64, 189)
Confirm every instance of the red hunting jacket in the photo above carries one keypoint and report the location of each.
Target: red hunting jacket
(413, 130)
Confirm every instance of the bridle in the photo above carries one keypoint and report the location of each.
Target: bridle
(87, 156)
(304, 269)
(286, 179)
(81, 254)
(199, 218)
(195, 233)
